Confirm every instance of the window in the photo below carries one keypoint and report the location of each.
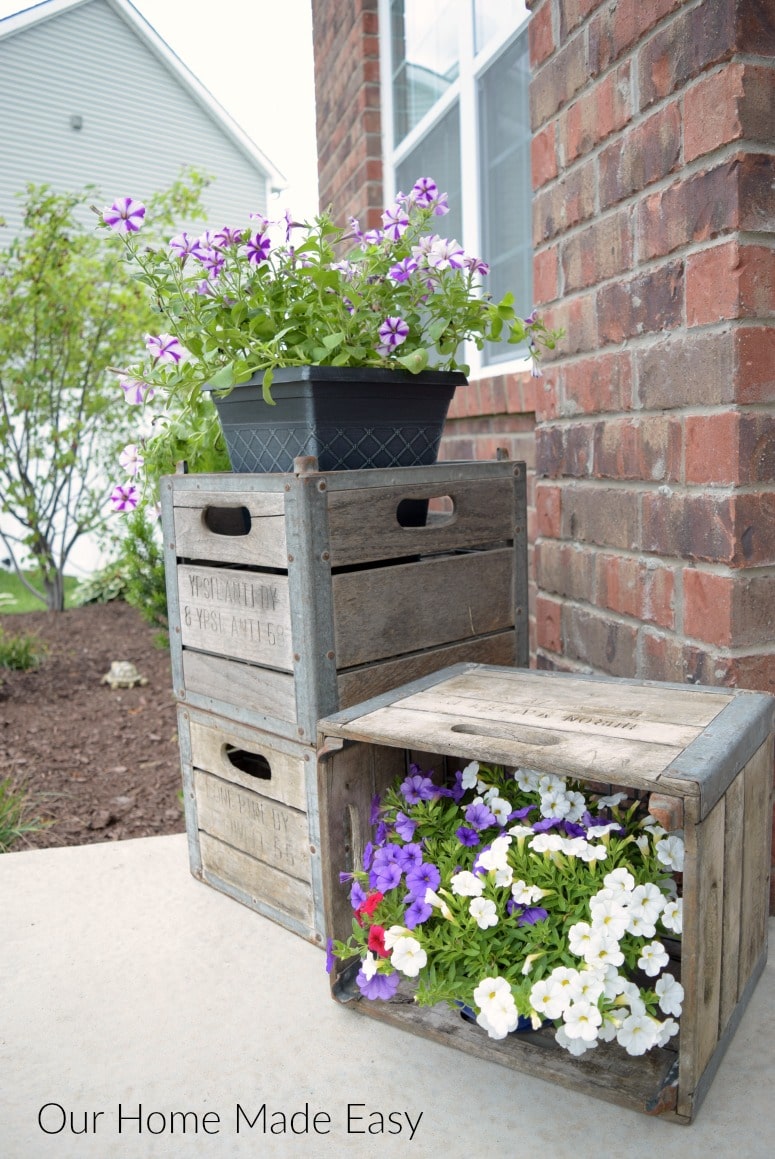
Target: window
(455, 108)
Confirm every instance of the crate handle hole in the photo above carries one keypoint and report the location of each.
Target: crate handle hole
(251, 763)
(527, 736)
(414, 512)
(227, 520)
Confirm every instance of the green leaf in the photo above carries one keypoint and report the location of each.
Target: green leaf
(266, 386)
(416, 361)
(331, 341)
(223, 378)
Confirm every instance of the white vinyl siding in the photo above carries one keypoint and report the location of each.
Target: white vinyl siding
(140, 123)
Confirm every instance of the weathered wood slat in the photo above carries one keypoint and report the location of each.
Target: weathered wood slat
(483, 513)
(614, 699)
(260, 504)
(240, 614)
(211, 747)
(605, 758)
(358, 684)
(582, 719)
(262, 546)
(703, 931)
(734, 844)
(257, 883)
(257, 825)
(757, 830)
(388, 611)
(218, 683)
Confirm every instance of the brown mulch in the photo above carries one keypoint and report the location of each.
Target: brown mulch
(103, 765)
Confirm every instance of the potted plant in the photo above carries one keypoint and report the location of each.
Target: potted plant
(524, 900)
(321, 339)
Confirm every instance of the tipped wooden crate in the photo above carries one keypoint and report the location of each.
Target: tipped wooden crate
(704, 755)
(252, 818)
(293, 595)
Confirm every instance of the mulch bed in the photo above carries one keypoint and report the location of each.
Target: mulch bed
(101, 764)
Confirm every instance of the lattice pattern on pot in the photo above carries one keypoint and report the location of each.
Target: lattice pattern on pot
(337, 448)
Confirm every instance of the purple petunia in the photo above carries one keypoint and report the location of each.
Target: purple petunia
(479, 816)
(381, 833)
(403, 270)
(395, 221)
(467, 836)
(527, 915)
(183, 245)
(409, 856)
(375, 809)
(405, 826)
(385, 877)
(136, 392)
(381, 986)
(125, 215)
(417, 912)
(358, 895)
(424, 192)
(422, 878)
(418, 788)
(329, 955)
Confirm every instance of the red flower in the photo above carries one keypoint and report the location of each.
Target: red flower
(376, 941)
(368, 906)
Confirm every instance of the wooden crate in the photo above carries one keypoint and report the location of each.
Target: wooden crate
(252, 818)
(291, 596)
(704, 755)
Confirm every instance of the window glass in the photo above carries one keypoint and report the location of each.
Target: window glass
(504, 179)
(424, 38)
(438, 156)
(493, 19)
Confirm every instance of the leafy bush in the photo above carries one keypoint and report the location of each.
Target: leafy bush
(20, 652)
(105, 585)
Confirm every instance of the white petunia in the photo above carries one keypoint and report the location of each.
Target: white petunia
(466, 884)
(668, 1028)
(619, 880)
(613, 982)
(525, 894)
(408, 956)
(638, 1033)
(547, 843)
(631, 996)
(432, 898)
(587, 986)
(670, 851)
(575, 1046)
(527, 779)
(611, 800)
(643, 844)
(670, 994)
(672, 915)
(581, 937)
(504, 877)
(640, 926)
(521, 830)
(551, 783)
(393, 934)
(653, 958)
(501, 808)
(602, 829)
(496, 857)
(605, 954)
(594, 853)
(608, 1028)
(609, 915)
(582, 1020)
(549, 999)
(484, 912)
(648, 900)
(369, 965)
(497, 1009)
(578, 806)
(470, 775)
(554, 804)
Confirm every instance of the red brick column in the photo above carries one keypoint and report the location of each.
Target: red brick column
(654, 217)
(346, 41)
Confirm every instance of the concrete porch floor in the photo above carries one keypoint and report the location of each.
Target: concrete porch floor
(126, 983)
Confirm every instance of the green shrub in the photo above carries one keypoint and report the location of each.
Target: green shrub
(14, 818)
(105, 585)
(20, 652)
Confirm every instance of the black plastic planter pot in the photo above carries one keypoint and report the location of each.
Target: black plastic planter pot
(347, 417)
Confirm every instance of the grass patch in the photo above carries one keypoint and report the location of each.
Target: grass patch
(14, 597)
(20, 652)
(15, 819)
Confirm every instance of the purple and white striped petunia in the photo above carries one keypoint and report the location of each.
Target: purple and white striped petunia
(392, 333)
(125, 215)
(183, 245)
(131, 459)
(136, 392)
(395, 221)
(257, 248)
(124, 497)
(445, 255)
(227, 236)
(403, 270)
(424, 192)
(165, 348)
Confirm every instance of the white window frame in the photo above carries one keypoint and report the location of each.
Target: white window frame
(463, 91)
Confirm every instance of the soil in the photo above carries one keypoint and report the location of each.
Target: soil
(100, 764)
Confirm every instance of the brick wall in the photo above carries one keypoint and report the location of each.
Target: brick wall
(655, 440)
(653, 430)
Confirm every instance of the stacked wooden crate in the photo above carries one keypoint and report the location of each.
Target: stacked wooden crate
(704, 757)
(294, 595)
